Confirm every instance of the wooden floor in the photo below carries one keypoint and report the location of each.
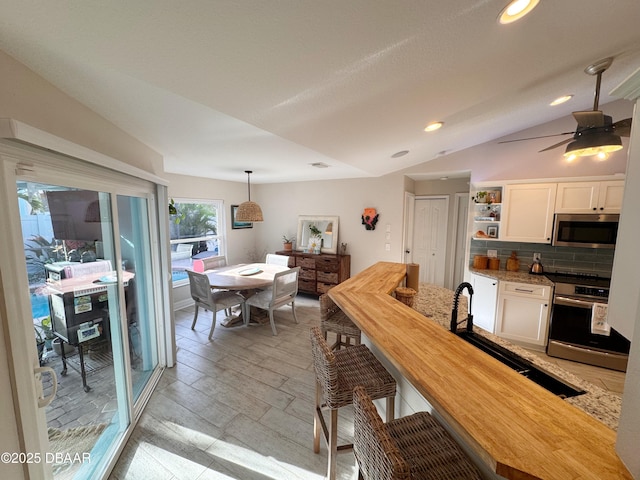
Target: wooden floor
(238, 407)
(241, 406)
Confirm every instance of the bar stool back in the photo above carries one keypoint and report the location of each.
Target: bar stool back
(337, 374)
(413, 447)
(334, 320)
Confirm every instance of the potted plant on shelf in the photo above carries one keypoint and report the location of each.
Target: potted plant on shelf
(481, 197)
(287, 243)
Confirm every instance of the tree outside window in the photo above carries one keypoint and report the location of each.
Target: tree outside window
(196, 232)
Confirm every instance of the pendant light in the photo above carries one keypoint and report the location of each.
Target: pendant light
(249, 211)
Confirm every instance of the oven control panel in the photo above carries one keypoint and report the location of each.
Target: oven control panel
(591, 291)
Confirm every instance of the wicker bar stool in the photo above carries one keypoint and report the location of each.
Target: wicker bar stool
(337, 374)
(334, 320)
(413, 447)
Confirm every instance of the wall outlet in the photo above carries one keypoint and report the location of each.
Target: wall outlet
(537, 256)
(387, 247)
(492, 253)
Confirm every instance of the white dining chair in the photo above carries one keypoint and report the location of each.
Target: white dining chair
(275, 259)
(209, 300)
(282, 292)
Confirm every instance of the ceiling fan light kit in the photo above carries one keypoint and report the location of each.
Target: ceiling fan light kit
(596, 133)
(594, 143)
(249, 211)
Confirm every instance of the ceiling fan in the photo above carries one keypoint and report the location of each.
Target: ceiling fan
(595, 133)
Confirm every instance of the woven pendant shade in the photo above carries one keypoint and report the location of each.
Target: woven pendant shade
(249, 211)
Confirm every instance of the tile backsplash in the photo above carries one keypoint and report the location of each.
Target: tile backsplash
(562, 259)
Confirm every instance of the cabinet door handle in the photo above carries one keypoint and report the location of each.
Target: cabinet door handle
(523, 290)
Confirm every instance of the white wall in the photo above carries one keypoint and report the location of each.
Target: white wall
(29, 98)
(282, 203)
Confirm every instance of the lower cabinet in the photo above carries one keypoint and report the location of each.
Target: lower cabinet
(523, 312)
(485, 296)
(319, 272)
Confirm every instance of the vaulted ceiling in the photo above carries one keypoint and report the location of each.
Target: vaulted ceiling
(218, 87)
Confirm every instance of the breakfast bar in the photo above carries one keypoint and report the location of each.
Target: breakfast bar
(516, 428)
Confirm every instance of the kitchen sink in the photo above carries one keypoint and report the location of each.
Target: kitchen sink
(522, 366)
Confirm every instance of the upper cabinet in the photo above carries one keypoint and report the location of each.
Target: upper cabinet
(590, 197)
(527, 212)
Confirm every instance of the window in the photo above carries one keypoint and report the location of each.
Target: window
(196, 231)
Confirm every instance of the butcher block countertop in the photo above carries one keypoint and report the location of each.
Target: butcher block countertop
(519, 429)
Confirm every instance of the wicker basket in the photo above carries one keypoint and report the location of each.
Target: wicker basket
(405, 295)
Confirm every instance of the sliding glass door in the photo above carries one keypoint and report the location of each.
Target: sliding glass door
(90, 267)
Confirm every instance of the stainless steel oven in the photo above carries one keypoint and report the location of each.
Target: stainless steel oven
(571, 335)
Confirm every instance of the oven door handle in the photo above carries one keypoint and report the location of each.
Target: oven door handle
(572, 302)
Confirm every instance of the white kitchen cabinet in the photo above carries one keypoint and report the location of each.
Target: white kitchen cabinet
(523, 313)
(527, 212)
(590, 197)
(485, 296)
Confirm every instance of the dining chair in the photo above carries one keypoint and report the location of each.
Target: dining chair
(211, 263)
(282, 292)
(204, 297)
(274, 259)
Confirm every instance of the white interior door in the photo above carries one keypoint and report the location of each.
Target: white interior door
(430, 238)
(462, 216)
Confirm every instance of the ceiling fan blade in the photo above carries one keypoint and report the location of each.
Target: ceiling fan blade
(589, 118)
(534, 138)
(623, 127)
(556, 145)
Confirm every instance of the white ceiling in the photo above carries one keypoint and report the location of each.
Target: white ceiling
(221, 86)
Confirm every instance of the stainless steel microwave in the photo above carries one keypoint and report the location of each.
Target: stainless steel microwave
(585, 230)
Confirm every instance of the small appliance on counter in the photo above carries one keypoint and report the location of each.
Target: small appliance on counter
(536, 267)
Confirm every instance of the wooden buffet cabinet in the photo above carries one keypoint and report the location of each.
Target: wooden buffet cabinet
(319, 272)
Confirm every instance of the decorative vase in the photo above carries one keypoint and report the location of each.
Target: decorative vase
(288, 246)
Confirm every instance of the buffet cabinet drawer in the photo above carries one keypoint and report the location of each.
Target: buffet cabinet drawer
(328, 264)
(327, 277)
(305, 262)
(307, 275)
(306, 285)
(319, 272)
(324, 287)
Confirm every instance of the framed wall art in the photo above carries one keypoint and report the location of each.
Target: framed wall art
(234, 223)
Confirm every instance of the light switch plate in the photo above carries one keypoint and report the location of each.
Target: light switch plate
(537, 256)
(492, 253)
(387, 247)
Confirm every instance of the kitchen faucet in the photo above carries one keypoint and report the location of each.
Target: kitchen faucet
(454, 312)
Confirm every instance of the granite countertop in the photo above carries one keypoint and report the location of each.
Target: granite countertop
(519, 277)
(436, 303)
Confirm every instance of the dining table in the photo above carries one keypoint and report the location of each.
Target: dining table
(245, 278)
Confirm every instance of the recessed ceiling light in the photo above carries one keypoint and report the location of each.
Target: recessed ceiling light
(444, 178)
(319, 165)
(562, 99)
(433, 126)
(399, 154)
(516, 10)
